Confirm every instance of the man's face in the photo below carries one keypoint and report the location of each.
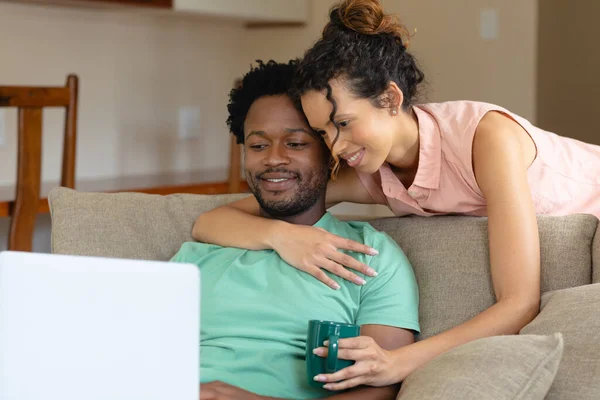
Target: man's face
(286, 164)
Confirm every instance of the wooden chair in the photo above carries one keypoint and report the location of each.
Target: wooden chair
(235, 161)
(234, 157)
(30, 101)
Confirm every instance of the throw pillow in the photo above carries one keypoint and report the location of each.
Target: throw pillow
(575, 313)
(495, 368)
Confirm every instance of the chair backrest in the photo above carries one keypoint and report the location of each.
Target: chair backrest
(30, 101)
(235, 157)
(235, 161)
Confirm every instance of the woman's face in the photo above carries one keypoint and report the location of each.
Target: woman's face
(366, 131)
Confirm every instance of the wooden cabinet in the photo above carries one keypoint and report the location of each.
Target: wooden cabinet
(140, 3)
(255, 13)
(250, 11)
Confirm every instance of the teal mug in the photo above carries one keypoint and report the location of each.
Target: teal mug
(318, 332)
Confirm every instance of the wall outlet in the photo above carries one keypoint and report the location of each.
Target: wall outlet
(488, 24)
(189, 123)
(2, 128)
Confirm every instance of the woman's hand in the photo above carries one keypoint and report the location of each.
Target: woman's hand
(313, 250)
(374, 366)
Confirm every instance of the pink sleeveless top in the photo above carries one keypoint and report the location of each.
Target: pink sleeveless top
(564, 177)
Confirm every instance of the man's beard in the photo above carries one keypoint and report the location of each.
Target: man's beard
(308, 191)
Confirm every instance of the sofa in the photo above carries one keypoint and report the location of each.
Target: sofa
(556, 356)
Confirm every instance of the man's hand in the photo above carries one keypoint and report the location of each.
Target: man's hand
(223, 391)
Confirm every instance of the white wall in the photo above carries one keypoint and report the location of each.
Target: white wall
(135, 71)
(568, 84)
(458, 64)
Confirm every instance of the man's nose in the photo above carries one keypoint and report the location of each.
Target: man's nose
(276, 155)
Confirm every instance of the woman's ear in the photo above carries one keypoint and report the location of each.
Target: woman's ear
(392, 98)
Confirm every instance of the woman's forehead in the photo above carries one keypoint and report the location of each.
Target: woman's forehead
(318, 108)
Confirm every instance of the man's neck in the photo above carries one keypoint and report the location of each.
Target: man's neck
(308, 217)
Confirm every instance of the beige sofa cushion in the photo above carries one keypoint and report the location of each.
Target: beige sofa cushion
(575, 313)
(125, 225)
(494, 368)
(451, 261)
(449, 254)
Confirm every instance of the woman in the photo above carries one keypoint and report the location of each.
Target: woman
(357, 86)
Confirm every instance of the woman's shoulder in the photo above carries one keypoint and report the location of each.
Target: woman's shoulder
(459, 110)
(466, 115)
(456, 122)
(450, 127)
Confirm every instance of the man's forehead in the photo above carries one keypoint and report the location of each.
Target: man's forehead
(282, 131)
(275, 114)
(269, 106)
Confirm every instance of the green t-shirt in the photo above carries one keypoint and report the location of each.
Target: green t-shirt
(256, 307)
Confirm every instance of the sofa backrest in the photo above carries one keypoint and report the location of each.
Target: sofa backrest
(449, 254)
(450, 258)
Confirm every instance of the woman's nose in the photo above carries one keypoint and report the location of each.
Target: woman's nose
(339, 147)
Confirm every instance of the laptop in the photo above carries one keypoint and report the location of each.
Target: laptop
(74, 328)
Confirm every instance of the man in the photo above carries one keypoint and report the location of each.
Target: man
(255, 307)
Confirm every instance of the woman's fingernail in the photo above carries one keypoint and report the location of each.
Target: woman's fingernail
(318, 352)
(327, 386)
(373, 252)
(372, 272)
(335, 286)
(360, 281)
(326, 343)
(319, 378)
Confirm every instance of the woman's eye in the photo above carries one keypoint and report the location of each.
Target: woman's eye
(343, 124)
(322, 133)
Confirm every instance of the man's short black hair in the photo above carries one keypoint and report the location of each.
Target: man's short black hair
(268, 79)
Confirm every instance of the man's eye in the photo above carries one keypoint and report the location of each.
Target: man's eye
(322, 133)
(296, 145)
(258, 146)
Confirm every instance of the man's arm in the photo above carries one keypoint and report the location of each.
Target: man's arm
(388, 314)
(390, 299)
(371, 393)
(388, 338)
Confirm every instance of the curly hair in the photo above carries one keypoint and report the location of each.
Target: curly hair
(367, 49)
(267, 79)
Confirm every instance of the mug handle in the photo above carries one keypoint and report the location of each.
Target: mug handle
(332, 354)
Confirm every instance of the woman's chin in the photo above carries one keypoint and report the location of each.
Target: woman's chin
(367, 168)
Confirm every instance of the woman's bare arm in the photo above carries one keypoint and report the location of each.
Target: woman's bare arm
(307, 248)
(500, 161)
(500, 166)
(238, 224)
